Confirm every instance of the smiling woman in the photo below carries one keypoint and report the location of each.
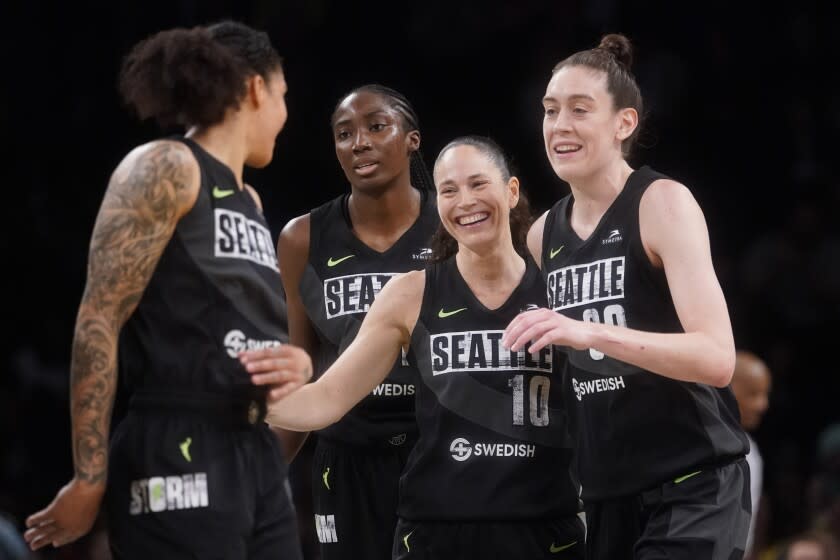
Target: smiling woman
(634, 301)
(443, 244)
(489, 476)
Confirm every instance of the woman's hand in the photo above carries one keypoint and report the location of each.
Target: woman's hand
(284, 368)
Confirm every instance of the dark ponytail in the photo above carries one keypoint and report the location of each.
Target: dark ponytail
(193, 76)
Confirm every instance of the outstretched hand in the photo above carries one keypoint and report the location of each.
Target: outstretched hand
(283, 368)
(543, 327)
(69, 517)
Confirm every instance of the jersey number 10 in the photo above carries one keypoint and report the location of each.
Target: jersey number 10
(538, 399)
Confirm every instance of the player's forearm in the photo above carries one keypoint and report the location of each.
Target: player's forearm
(696, 357)
(93, 377)
(362, 366)
(307, 409)
(291, 442)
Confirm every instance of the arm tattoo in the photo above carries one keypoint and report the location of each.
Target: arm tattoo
(138, 215)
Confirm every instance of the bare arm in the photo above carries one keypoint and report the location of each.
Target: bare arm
(361, 367)
(293, 254)
(535, 238)
(255, 195)
(675, 237)
(148, 193)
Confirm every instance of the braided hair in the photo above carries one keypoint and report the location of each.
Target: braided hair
(421, 177)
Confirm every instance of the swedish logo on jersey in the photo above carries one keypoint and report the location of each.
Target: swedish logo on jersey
(235, 342)
(462, 449)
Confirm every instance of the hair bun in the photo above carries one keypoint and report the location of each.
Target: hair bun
(619, 46)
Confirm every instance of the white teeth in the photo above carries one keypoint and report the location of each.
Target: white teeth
(472, 218)
(566, 148)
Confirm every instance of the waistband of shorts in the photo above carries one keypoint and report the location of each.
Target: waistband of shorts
(391, 444)
(214, 407)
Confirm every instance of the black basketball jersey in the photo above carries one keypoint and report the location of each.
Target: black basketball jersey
(493, 443)
(215, 291)
(634, 429)
(342, 278)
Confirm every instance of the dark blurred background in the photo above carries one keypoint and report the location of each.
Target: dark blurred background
(740, 109)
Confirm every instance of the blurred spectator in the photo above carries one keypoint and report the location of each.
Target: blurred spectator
(811, 545)
(824, 490)
(751, 385)
(12, 545)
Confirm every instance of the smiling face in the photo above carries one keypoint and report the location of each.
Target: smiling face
(371, 144)
(474, 199)
(582, 130)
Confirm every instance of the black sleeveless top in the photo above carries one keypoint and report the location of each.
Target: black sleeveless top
(342, 278)
(634, 429)
(493, 443)
(215, 291)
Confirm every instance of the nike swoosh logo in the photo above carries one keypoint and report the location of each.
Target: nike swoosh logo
(405, 541)
(332, 262)
(554, 549)
(444, 314)
(553, 252)
(221, 193)
(686, 477)
(326, 475)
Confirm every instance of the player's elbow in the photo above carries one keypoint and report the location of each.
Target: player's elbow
(721, 368)
(325, 420)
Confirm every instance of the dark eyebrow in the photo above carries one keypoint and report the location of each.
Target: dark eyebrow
(471, 177)
(344, 121)
(573, 97)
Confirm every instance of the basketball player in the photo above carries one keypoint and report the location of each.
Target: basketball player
(634, 297)
(489, 476)
(334, 261)
(181, 258)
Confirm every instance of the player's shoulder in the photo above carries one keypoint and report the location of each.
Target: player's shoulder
(295, 234)
(297, 225)
(158, 163)
(667, 198)
(405, 290)
(164, 151)
(409, 282)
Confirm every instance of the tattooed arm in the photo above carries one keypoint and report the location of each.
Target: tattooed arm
(151, 189)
